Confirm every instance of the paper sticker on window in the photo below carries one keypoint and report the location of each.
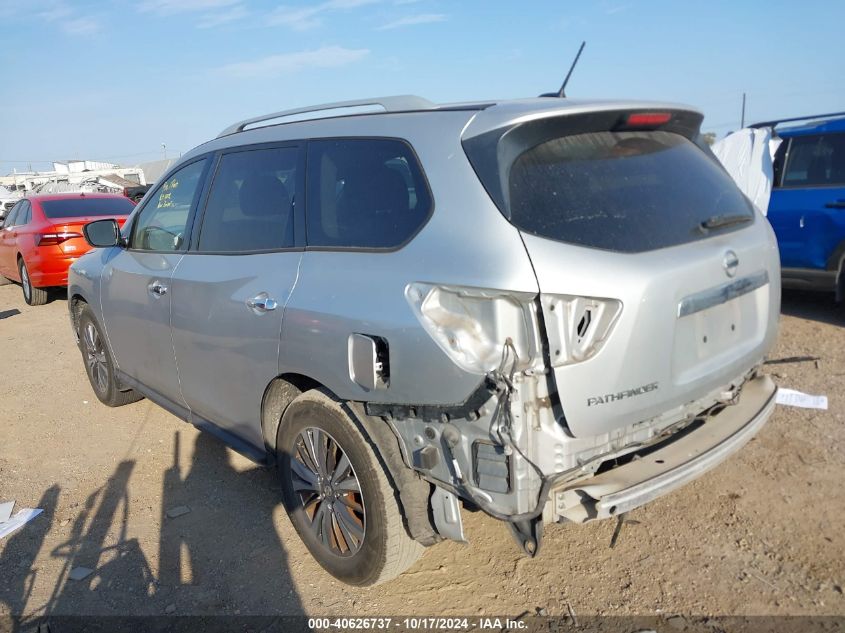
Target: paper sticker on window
(165, 199)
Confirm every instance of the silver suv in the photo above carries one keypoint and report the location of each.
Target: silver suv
(548, 310)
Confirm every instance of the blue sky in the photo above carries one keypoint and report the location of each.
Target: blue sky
(113, 80)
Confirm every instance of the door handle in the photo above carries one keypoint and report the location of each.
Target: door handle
(157, 289)
(262, 303)
(836, 204)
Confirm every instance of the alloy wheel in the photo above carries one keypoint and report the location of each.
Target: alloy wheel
(329, 490)
(95, 358)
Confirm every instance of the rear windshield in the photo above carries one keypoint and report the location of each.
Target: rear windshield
(622, 191)
(88, 207)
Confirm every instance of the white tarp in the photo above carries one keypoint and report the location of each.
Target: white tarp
(21, 518)
(747, 156)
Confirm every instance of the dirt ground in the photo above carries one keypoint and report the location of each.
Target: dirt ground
(762, 534)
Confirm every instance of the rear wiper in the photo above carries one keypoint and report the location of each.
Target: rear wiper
(719, 221)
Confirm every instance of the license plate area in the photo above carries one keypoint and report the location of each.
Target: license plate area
(710, 333)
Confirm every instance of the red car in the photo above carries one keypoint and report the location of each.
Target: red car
(42, 236)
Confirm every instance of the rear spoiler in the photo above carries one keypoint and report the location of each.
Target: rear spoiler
(776, 122)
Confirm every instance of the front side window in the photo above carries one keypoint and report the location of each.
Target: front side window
(777, 164)
(364, 193)
(162, 223)
(250, 205)
(816, 160)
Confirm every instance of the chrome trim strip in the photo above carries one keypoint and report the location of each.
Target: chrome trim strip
(722, 294)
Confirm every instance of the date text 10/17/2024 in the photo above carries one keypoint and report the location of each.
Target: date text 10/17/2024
(415, 624)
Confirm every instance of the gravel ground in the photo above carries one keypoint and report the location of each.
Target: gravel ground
(762, 534)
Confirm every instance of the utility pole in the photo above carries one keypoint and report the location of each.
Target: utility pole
(742, 123)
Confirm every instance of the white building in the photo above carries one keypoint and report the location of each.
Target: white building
(75, 175)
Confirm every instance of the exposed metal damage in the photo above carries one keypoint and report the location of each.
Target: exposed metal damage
(507, 450)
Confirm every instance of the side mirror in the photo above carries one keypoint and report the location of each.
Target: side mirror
(102, 233)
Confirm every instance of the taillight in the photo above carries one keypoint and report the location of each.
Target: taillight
(647, 119)
(52, 239)
(577, 327)
(473, 325)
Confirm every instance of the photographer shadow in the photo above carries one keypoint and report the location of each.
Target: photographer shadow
(225, 555)
(220, 558)
(18, 559)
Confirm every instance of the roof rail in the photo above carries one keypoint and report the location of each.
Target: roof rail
(797, 118)
(401, 103)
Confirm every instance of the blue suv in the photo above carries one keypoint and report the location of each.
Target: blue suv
(807, 207)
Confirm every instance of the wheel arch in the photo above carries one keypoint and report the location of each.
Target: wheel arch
(17, 269)
(75, 304)
(277, 396)
(836, 262)
(413, 492)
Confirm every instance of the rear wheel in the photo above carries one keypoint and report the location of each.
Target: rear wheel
(338, 495)
(32, 295)
(99, 364)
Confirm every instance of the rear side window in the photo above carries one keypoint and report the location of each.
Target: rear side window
(12, 215)
(25, 214)
(815, 161)
(250, 206)
(622, 191)
(86, 207)
(364, 193)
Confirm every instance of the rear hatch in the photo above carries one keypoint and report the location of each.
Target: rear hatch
(659, 282)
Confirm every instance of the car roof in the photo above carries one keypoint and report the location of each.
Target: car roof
(804, 125)
(484, 115)
(411, 104)
(41, 197)
(815, 127)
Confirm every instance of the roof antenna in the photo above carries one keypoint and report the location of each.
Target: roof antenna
(561, 94)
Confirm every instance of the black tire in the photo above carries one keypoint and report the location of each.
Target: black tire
(385, 548)
(99, 364)
(32, 295)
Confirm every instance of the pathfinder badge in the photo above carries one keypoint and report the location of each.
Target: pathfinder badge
(615, 397)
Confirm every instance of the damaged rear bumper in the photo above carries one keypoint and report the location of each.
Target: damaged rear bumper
(669, 467)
